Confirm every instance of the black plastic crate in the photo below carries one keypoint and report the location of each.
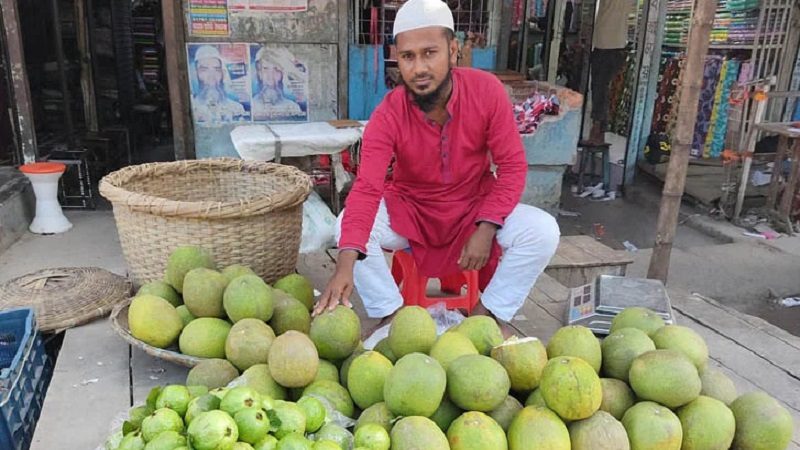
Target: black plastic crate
(24, 377)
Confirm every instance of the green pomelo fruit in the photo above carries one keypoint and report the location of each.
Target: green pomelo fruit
(383, 348)
(132, 441)
(269, 442)
(446, 413)
(314, 411)
(412, 331)
(617, 397)
(336, 333)
(299, 288)
(239, 398)
(205, 338)
(295, 441)
(637, 317)
(182, 260)
(373, 437)
(197, 391)
(475, 430)
(571, 388)
(248, 297)
(378, 414)
(345, 366)
(450, 346)
(204, 403)
(535, 399)
(327, 371)
(137, 414)
(335, 393)
(577, 341)
(524, 359)
(667, 377)
(242, 446)
(212, 373)
(161, 289)
(289, 314)
(620, 348)
(652, 426)
(326, 445)
(707, 424)
(290, 419)
(717, 385)
(175, 397)
(483, 331)
(253, 424)
(538, 427)
(366, 378)
(202, 292)
(506, 412)
(415, 386)
(684, 340)
(761, 423)
(168, 440)
(293, 360)
(337, 434)
(248, 343)
(235, 271)
(599, 432)
(416, 433)
(219, 392)
(477, 383)
(154, 321)
(185, 315)
(259, 378)
(159, 421)
(213, 430)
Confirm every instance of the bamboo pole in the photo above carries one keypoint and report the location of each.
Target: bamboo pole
(699, 34)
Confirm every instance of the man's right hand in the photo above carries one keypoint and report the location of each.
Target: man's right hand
(340, 286)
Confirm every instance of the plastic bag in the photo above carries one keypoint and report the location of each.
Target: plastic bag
(443, 317)
(318, 225)
(115, 433)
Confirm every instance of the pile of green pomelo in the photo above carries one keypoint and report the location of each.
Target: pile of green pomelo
(275, 379)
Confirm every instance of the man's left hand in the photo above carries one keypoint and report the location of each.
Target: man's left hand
(479, 246)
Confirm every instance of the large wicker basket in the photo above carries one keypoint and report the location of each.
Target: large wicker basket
(243, 212)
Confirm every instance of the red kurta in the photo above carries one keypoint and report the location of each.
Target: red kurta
(441, 183)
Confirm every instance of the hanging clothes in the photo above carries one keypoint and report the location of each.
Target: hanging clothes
(706, 103)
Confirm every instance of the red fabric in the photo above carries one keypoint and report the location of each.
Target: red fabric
(441, 183)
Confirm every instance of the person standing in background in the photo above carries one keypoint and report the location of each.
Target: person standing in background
(608, 56)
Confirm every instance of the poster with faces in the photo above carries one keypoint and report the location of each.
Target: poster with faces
(242, 82)
(219, 83)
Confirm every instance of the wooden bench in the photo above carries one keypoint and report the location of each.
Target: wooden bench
(580, 259)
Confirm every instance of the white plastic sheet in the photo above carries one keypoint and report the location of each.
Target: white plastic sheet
(319, 224)
(259, 142)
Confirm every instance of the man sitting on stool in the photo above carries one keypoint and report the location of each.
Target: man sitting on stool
(442, 128)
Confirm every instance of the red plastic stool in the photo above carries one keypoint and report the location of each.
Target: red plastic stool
(413, 286)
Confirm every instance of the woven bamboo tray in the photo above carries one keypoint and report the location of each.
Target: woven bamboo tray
(119, 322)
(242, 212)
(66, 297)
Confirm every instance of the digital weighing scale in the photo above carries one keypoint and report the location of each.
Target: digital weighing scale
(594, 305)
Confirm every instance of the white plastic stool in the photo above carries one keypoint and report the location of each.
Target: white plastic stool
(49, 217)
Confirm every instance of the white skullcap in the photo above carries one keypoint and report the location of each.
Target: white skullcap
(416, 14)
(207, 51)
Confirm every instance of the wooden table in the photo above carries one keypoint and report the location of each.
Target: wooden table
(580, 259)
(786, 133)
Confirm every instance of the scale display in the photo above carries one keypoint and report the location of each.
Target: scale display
(594, 305)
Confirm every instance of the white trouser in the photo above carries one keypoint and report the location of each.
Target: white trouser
(529, 239)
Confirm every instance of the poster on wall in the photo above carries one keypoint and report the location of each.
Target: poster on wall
(279, 84)
(219, 82)
(208, 18)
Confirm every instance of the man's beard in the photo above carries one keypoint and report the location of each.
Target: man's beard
(427, 102)
(212, 93)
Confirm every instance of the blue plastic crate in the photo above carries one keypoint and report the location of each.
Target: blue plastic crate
(24, 377)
